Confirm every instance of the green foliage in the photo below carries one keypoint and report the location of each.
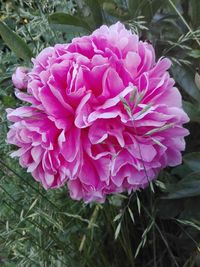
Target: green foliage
(158, 226)
(95, 9)
(14, 42)
(60, 21)
(185, 78)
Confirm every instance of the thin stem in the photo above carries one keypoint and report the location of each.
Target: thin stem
(184, 21)
(24, 180)
(162, 236)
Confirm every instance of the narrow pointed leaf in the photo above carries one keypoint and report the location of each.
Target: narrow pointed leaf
(117, 231)
(131, 215)
(117, 217)
(138, 205)
(67, 23)
(15, 42)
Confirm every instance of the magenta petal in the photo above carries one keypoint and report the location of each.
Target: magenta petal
(103, 116)
(82, 112)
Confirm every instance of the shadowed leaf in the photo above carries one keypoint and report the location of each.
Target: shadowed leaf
(192, 160)
(192, 110)
(14, 42)
(187, 187)
(96, 11)
(67, 23)
(185, 78)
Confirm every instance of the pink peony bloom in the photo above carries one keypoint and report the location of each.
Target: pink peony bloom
(104, 116)
(20, 78)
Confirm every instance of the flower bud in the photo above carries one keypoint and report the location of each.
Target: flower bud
(20, 78)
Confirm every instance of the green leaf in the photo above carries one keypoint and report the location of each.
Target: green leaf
(190, 223)
(138, 249)
(195, 8)
(14, 42)
(157, 142)
(197, 79)
(163, 128)
(67, 23)
(126, 106)
(33, 204)
(144, 110)
(181, 170)
(131, 215)
(96, 11)
(193, 111)
(138, 204)
(117, 231)
(117, 200)
(192, 160)
(117, 217)
(133, 94)
(195, 53)
(189, 186)
(185, 78)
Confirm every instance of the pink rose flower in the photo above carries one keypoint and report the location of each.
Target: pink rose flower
(20, 78)
(104, 116)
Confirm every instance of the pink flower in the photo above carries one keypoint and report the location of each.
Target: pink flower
(104, 116)
(20, 78)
